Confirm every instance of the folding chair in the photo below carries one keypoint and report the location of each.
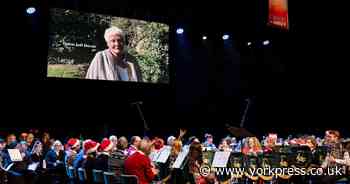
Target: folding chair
(129, 179)
(71, 174)
(97, 176)
(82, 175)
(108, 177)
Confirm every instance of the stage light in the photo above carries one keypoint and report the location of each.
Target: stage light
(266, 42)
(249, 43)
(180, 30)
(30, 10)
(226, 37)
(204, 37)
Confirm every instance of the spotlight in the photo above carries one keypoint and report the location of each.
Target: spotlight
(225, 37)
(204, 37)
(249, 43)
(180, 30)
(30, 10)
(266, 42)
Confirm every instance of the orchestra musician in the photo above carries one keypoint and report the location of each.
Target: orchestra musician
(225, 144)
(195, 160)
(208, 144)
(176, 146)
(314, 158)
(344, 161)
(270, 143)
(252, 147)
(332, 141)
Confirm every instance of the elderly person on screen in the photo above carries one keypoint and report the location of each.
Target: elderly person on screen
(114, 63)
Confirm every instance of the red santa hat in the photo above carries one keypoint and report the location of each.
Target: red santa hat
(72, 142)
(106, 145)
(90, 146)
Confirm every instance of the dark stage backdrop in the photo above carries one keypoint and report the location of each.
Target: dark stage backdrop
(288, 80)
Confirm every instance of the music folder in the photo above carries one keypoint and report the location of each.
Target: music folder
(164, 154)
(180, 158)
(221, 158)
(15, 155)
(33, 166)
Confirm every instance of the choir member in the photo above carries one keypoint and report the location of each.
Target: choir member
(117, 158)
(30, 141)
(90, 150)
(55, 157)
(105, 150)
(72, 149)
(134, 145)
(114, 140)
(139, 164)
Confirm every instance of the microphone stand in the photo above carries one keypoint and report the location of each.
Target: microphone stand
(241, 131)
(145, 125)
(245, 112)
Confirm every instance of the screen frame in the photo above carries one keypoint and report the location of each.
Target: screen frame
(151, 19)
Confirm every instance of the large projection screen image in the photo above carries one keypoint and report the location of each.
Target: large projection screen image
(104, 47)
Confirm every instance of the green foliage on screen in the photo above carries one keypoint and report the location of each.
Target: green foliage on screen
(70, 31)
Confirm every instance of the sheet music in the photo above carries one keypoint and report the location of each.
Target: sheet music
(164, 154)
(15, 155)
(33, 166)
(151, 155)
(154, 156)
(44, 163)
(180, 158)
(221, 158)
(187, 147)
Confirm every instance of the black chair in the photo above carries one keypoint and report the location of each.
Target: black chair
(343, 180)
(108, 177)
(71, 174)
(15, 178)
(129, 179)
(236, 161)
(3, 176)
(268, 182)
(82, 175)
(97, 176)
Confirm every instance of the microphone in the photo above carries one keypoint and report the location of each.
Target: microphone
(137, 103)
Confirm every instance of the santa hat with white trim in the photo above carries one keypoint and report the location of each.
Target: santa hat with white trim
(90, 146)
(73, 143)
(106, 145)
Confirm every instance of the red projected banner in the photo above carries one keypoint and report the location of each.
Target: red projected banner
(278, 13)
